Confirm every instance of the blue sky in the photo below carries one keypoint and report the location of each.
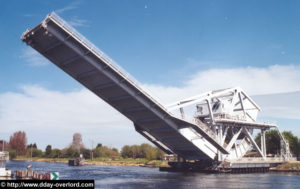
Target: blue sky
(169, 45)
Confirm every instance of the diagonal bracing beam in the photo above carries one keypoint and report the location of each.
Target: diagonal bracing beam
(233, 139)
(245, 131)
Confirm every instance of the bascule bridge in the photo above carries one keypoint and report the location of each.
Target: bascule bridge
(217, 134)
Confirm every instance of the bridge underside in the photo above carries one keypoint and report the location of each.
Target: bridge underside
(71, 52)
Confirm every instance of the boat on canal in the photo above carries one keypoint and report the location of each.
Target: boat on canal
(4, 156)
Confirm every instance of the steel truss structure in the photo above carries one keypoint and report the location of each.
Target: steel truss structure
(221, 128)
(229, 116)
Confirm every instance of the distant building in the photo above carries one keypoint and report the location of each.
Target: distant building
(3, 145)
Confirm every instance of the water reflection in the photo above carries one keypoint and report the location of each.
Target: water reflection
(142, 177)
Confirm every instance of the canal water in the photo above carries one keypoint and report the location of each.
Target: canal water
(143, 177)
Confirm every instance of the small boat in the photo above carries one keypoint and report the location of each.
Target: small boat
(79, 161)
(4, 156)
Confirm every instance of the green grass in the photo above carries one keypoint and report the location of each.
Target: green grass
(25, 158)
(106, 161)
(290, 166)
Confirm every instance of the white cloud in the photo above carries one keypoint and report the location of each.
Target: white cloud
(74, 21)
(254, 80)
(275, 88)
(73, 5)
(46, 114)
(77, 22)
(282, 105)
(28, 15)
(33, 58)
(51, 117)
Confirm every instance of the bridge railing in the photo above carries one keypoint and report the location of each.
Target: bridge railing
(205, 128)
(268, 159)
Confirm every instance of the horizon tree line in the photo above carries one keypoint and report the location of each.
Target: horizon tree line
(17, 146)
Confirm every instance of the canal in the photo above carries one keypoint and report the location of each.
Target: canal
(143, 177)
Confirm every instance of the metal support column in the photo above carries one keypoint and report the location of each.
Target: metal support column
(181, 112)
(220, 136)
(263, 142)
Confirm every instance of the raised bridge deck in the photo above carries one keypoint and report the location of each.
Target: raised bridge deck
(69, 50)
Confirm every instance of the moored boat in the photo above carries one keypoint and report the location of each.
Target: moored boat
(79, 161)
(4, 156)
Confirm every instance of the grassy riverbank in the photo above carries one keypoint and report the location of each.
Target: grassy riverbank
(103, 161)
(289, 166)
(293, 166)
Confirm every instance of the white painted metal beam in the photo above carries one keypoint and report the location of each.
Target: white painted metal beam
(245, 130)
(233, 139)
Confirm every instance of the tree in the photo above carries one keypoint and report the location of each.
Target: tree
(273, 142)
(55, 153)
(32, 146)
(136, 152)
(86, 153)
(160, 154)
(71, 152)
(18, 142)
(48, 150)
(97, 152)
(147, 151)
(126, 152)
(141, 151)
(37, 152)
